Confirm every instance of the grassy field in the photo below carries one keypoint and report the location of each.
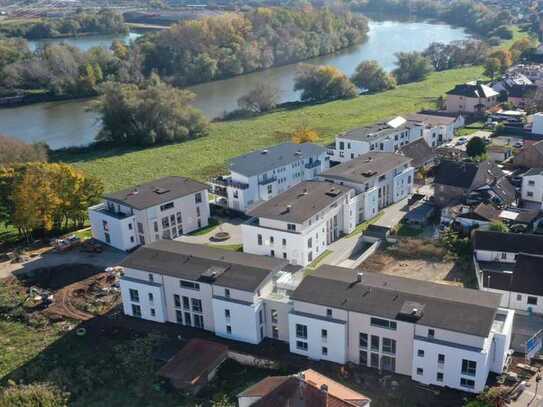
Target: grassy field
(202, 158)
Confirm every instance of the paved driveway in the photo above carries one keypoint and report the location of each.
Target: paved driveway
(393, 214)
(232, 226)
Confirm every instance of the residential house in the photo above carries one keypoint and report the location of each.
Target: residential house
(530, 156)
(386, 137)
(520, 96)
(301, 223)
(435, 333)
(198, 286)
(437, 128)
(511, 264)
(509, 80)
(483, 215)
(534, 72)
(422, 155)
(379, 179)
(516, 88)
(261, 175)
(471, 98)
(305, 389)
(472, 183)
(532, 189)
(165, 208)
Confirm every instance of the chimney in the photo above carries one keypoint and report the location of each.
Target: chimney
(324, 388)
(359, 277)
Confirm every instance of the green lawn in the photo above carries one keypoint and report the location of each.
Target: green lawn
(409, 231)
(208, 156)
(470, 129)
(213, 224)
(229, 247)
(315, 263)
(364, 225)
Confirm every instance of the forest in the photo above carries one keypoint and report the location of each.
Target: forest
(84, 22)
(234, 44)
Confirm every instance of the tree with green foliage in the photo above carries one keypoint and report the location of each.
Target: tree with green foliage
(262, 98)
(476, 147)
(492, 67)
(411, 67)
(371, 76)
(152, 114)
(323, 83)
(498, 226)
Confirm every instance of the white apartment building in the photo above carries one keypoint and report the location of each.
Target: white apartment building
(379, 180)
(386, 137)
(434, 333)
(262, 175)
(161, 209)
(532, 189)
(511, 264)
(437, 128)
(299, 224)
(195, 285)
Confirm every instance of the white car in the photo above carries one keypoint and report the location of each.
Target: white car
(461, 140)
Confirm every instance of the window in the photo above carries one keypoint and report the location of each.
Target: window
(291, 227)
(532, 300)
(227, 293)
(129, 226)
(519, 297)
(166, 234)
(420, 371)
(134, 295)
(166, 206)
(310, 257)
(284, 242)
(531, 183)
(259, 239)
(363, 340)
(310, 243)
(177, 300)
(383, 323)
(374, 360)
(272, 253)
(389, 346)
(324, 335)
(179, 316)
(172, 219)
(131, 239)
(420, 353)
(270, 189)
(196, 305)
(151, 297)
(374, 343)
(136, 311)
(441, 359)
(187, 319)
(228, 329)
(329, 312)
(341, 145)
(165, 222)
(179, 217)
(439, 377)
(275, 332)
(260, 317)
(227, 314)
(271, 239)
(431, 333)
(140, 228)
(274, 316)
(153, 312)
(198, 321)
(198, 211)
(324, 351)
(198, 198)
(284, 255)
(469, 367)
(388, 363)
(108, 237)
(301, 331)
(301, 345)
(105, 226)
(470, 384)
(151, 277)
(189, 284)
(155, 226)
(186, 304)
(363, 358)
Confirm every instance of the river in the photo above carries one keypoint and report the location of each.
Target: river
(69, 123)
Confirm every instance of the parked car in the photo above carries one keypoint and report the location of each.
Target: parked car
(461, 140)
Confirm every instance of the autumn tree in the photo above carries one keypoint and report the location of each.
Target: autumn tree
(305, 135)
(492, 67)
(262, 98)
(17, 151)
(411, 67)
(322, 83)
(504, 58)
(521, 48)
(371, 76)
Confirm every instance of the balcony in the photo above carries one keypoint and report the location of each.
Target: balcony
(224, 182)
(105, 210)
(267, 181)
(313, 164)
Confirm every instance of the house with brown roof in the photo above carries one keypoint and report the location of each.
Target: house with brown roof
(530, 156)
(306, 389)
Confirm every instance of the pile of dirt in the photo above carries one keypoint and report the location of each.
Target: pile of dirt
(55, 278)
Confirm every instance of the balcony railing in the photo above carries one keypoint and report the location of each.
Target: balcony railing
(104, 209)
(228, 182)
(267, 181)
(313, 164)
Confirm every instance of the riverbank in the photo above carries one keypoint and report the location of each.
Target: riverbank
(202, 158)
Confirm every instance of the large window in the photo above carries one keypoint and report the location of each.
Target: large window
(134, 295)
(259, 240)
(301, 331)
(186, 303)
(374, 343)
(136, 311)
(301, 345)
(363, 340)
(389, 346)
(274, 316)
(374, 360)
(196, 305)
(177, 300)
(383, 323)
(198, 198)
(469, 367)
(532, 300)
(363, 358)
(470, 384)
(189, 284)
(198, 321)
(166, 206)
(291, 227)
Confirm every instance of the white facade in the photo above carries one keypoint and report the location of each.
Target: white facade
(241, 192)
(428, 355)
(125, 228)
(532, 190)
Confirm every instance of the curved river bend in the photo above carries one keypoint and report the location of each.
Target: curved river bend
(69, 123)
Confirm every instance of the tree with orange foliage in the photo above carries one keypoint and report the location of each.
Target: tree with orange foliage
(305, 135)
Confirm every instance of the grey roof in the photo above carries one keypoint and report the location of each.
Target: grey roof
(366, 166)
(156, 192)
(374, 132)
(533, 171)
(431, 119)
(420, 152)
(300, 202)
(257, 162)
(526, 276)
(195, 262)
(507, 242)
(473, 90)
(443, 306)
(467, 175)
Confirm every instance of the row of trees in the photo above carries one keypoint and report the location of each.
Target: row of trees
(498, 61)
(37, 198)
(105, 21)
(233, 44)
(16, 151)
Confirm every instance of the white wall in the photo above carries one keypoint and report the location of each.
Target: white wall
(120, 234)
(503, 257)
(146, 304)
(244, 320)
(532, 185)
